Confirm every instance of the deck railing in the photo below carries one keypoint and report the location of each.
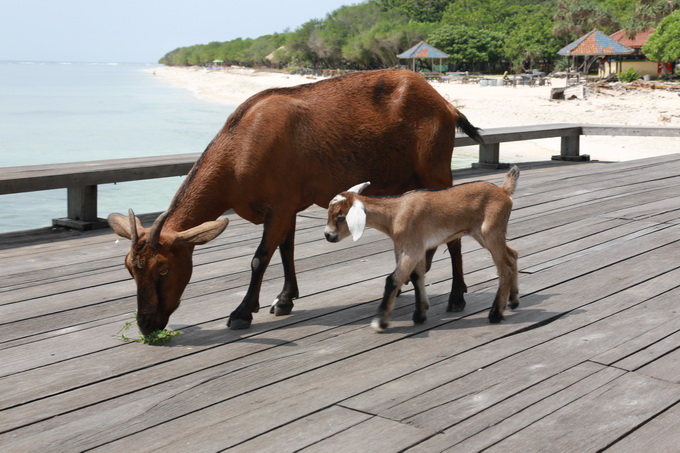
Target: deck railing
(82, 178)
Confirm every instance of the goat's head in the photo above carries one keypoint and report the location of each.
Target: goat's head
(346, 215)
(160, 262)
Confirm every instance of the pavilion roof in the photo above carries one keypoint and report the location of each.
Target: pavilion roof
(595, 43)
(423, 50)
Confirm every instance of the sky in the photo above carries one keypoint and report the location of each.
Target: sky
(141, 31)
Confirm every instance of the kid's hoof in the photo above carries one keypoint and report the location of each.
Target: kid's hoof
(238, 323)
(378, 325)
(495, 317)
(418, 318)
(513, 305)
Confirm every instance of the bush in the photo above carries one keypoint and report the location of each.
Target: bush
(631, 75)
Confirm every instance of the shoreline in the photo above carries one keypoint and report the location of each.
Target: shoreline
(486, 107)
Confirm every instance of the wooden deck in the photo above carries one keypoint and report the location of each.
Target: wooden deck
(588, 362)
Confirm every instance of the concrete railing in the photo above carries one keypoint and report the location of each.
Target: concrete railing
(82, 178)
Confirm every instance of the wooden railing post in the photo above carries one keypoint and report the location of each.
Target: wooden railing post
(570, 148)
(489, 156)
(82, 203)
(81, 210)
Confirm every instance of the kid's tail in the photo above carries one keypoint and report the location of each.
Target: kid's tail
(510, 182)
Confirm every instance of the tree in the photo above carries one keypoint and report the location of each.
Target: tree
(531, 42)
(379, 46)
(648, 13)
(468, 46)
(299, 47)
(575, 18)
(664, 44)
(417, 10)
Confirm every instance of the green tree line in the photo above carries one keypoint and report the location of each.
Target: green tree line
(480, 35)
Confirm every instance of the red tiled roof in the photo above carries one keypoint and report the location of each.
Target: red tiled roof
(595, 43)
(636, 42)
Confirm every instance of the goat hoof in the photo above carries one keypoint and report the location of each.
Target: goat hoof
(238, 323)
(513, 304)
(419, 318)
(495, 317)
(281, 310)
(456, 305)
(379, 325)
(281, 307)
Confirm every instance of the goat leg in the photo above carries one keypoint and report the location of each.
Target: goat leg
(458, 286)
(382, 319)
(422, 304)
(283, 304)
(274, 234)
(514, 287)
(506, 275)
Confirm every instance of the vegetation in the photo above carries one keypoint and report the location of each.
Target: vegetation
(158, 337)
(664, 44)
(480, 35)
(630, 75)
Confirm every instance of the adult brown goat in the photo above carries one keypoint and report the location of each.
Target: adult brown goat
(281, 151)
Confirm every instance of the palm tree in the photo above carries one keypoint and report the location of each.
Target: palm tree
(648, 13)
(574, 18)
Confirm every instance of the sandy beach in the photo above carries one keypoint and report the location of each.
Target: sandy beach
(489, 107)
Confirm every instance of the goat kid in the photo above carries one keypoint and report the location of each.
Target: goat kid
(419, 221)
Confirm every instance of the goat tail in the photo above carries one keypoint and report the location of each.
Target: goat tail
(510, 182)
(463, 124)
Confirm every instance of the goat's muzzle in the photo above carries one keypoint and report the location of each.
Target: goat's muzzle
(151, 323)
(331, 236)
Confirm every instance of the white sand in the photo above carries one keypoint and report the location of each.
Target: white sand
(489, 107)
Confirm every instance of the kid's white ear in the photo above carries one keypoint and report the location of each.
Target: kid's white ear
(359, 187)
(356, 220)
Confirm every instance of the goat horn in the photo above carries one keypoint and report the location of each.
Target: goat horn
(155, 230)
(133, 226)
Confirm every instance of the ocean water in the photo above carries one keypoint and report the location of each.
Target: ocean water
(73, 112)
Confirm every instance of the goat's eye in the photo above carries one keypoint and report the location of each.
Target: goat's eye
(164, 272)
(341, 218)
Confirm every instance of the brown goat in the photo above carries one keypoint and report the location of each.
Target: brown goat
(281, 151)
(421, 220)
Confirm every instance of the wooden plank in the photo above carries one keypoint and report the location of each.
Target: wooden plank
(633, 131)
(214, 389)
(500, 421)
(659, 435)
(374, 434)
(307, 431)
(587, 425)
(332, 378)
(622, 321)
(667, 366)
(646, 348)
(56, 176)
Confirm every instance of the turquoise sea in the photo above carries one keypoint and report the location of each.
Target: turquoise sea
(73, 112)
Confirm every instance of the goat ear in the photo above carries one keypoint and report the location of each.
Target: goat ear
(121, 225)
(202, 233)
(356, 220)
(359, 187)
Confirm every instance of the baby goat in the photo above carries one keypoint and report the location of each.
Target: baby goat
(421, 220)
